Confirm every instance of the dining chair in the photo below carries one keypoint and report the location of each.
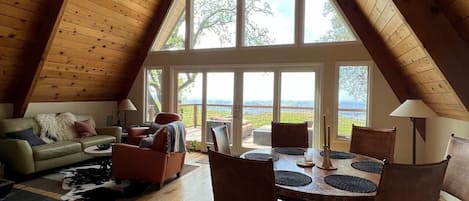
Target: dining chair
(457, 175)
(289, 135)
(237, 179)
(374, 142)
(411, 182)
(220, 139)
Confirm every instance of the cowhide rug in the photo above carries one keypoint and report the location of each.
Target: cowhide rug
(93, 183)
(90, 183)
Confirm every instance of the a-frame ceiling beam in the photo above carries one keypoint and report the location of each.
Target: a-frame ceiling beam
(35, 56)
(380, 53)
(443, 43)
(153, 27)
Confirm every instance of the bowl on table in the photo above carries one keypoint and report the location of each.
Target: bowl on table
(103, 146)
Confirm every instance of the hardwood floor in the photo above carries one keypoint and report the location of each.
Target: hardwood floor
(193, 186)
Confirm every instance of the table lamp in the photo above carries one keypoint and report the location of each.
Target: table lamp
(413, 108)
(126, 105)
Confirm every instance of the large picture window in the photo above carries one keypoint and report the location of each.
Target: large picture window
(153, 93)
(269, 22)
(352, 99)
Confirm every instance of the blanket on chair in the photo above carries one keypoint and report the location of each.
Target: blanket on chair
(176, 137)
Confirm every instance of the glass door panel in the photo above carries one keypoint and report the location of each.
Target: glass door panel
(297, 99)
(257, 110)
(220, 90)
(190, 93)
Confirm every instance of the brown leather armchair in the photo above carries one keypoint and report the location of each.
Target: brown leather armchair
(152, 164)
(138, 133)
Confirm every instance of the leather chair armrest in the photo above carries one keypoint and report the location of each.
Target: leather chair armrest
(17, 155)
(134, 135)
(115, 131)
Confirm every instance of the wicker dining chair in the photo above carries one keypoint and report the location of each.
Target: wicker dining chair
(220, 139)
(289, 134)
(237, 179)
(411, 182)
(457, 175)
(374, 142)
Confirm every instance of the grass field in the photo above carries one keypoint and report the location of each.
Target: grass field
(261, 119)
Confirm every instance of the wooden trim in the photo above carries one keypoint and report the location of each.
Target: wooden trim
(441, 40)
(35, 56)
(381, 54)
(153, 27)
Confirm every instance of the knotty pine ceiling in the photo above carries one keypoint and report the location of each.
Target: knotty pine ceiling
(422, 48)
(84, 50)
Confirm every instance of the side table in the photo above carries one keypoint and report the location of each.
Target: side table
(124, 137)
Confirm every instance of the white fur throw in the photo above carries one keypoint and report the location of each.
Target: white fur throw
(57, 127)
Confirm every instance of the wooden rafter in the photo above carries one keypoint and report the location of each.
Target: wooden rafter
(381, 54)
(34, 57)
(443, 43)
(153, 27)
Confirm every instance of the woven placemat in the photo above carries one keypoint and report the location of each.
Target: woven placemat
(351, 183)
(339, 155)
(368, 166)
(260, 157)
(289, 178)
(289, 150)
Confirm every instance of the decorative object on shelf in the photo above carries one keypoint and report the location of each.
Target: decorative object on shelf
(326, 159)
(125, 105)
(414, 109)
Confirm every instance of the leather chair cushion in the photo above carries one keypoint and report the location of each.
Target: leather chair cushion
(95, 140)
(55, 150)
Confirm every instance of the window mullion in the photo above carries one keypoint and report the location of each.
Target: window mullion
(189, 25)
(240, 23)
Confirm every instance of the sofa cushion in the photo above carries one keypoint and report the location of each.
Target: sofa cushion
(27, 135)
(55, 150)
(95, 140)
(85, 129)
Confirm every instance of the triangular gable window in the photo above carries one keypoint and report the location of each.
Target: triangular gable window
(172, 35)
(324, 23)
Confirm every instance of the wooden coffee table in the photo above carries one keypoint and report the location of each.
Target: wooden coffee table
(104, 156)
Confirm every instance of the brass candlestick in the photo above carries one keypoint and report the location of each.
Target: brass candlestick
(326, 160)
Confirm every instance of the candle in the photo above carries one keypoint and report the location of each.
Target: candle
(325, 134)
(329, 136)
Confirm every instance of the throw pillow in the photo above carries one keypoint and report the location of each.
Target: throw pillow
(27, 135)
(85, 129)
(147, 142)
(153, 128)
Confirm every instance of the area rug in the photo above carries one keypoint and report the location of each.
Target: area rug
(88, 182)
(24, 195)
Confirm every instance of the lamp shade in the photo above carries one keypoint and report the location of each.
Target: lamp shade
(126, 104)
(413, 108)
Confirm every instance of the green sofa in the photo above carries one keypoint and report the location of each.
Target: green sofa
(21, 158)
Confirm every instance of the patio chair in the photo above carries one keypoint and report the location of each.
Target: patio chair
(290, 134)
(374, 142)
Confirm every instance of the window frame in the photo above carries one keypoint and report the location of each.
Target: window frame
(370, 66)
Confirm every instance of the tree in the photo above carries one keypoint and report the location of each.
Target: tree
(354, 80)
(212, 16)
(339, 31)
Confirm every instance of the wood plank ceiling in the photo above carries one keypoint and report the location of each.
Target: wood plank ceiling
(417, 55)
(92, 50)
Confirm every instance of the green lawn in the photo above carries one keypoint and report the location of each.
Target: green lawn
(261, 119)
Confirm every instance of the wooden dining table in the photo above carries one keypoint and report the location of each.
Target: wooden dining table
(318, 189)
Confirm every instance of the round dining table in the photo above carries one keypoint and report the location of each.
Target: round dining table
(318, 189)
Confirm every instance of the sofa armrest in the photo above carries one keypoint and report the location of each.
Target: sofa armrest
(115, 131)
(17, 155)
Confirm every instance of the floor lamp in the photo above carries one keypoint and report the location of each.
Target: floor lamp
(414, 109)
(126, 105)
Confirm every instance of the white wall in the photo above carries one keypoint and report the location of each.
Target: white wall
(99, 110)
